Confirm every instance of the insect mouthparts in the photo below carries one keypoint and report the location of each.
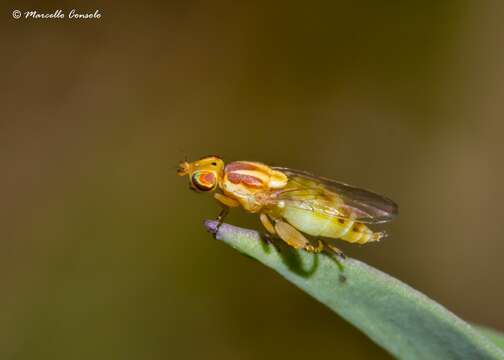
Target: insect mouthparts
(183, 168)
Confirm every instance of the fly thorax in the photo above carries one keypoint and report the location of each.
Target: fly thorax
(249, 181)
(254, 176)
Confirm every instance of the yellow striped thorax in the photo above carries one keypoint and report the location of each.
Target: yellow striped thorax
(246, 180)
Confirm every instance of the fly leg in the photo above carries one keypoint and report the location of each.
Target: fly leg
(222, 215)
(267, 223)
(315, 249)
(290, 235)
(226, 203)
(335, 250)
(296, 239)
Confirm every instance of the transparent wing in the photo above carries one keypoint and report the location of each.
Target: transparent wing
(334, 198)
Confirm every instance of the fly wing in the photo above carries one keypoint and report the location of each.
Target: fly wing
(334, 198)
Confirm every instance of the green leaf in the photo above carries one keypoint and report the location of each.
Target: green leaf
(496, 337)
(397, 317)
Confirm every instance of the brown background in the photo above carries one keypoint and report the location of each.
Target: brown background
(102, 252)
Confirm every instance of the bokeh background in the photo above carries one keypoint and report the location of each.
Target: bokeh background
(102, 252)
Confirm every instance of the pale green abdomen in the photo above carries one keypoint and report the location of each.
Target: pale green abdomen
(320, 224)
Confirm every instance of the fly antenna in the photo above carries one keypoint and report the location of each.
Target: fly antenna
(183, 154)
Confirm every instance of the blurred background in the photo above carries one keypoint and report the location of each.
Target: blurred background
(102, 252)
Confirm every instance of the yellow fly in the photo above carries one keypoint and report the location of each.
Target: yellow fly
(292, 202)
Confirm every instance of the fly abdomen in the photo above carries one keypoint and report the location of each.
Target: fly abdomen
(337, 228)
(361, 234)
(319, 224)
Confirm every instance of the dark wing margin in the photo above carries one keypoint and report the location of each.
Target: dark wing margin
(364, 205)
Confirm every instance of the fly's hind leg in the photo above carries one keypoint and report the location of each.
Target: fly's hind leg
(321, 246)
(335, 250)
(315, 248)
(296, 239)
(290, 235)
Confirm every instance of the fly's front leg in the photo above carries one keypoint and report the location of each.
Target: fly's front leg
(226, 203)
(222, 215)
(226, 200)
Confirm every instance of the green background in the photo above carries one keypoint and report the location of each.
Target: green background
(102, 252)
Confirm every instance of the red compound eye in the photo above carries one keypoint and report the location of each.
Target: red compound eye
(203, 181)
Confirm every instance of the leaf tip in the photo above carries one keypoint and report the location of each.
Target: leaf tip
(212, 226)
